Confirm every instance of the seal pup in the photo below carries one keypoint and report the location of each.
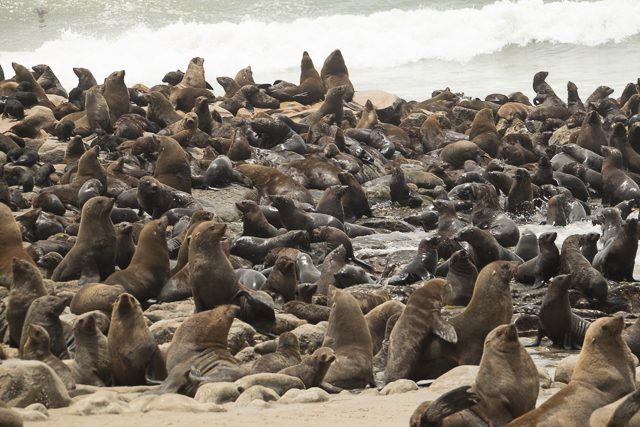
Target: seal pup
(198, 353)
(420, 318)
(527, 247)
(90, 364)
(589, 247)
(26, 287)
(313, 369)
(544, 266)
(282, 281)
(133, 352)
(354, 201)
(287, 354)
(37, 348)
(604, 372)
(45, 311)
(156, 198)
(93, 256)
(149, 269)
(348, 336)
(489, 216)
(556, 320)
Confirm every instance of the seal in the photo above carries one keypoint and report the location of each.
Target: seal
(45, 311)
(11, 246)
(37, 348)
(156, 198)
(448, 220)
(527, 247)
(254, 222)
(312, 313)
(434, 412)
(401, 193)
(484, 133)
(133, 352)
(116, 94)
(48, 263)
(621, 412)
(294, 218)
(377, 320)
(313, 369)
(616, 185)
(544, 266)
(354, 201)
(287, 354)
(125, 247)
(310, 90)
(221, 173)
(520, 197)
(556, 320)
(422, 267)
(333, 263)
(24, 75)
(92, 351)
(472, 325)
(604, 372)
(198, 353)
(334, 73)
(26, 287)
(507, 383)
(487, 215)
(462, 276)
(271, 181)
(589, 248)
(617, 259)
(256, 249)
(348, 336)
(149, 268)
(282, 281)
(486, 248)
(331, 202)
(160, 111)
(93, 256)
(332, 105)
(420, 318)
(172, 167)
(592, 136)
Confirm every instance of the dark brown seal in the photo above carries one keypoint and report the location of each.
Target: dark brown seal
(334, 73)
(45, 311)
(617, 259)
(604, 372)
(172, 167)
(462, 277)
(133, 352)
(282, 281)
(156, 198)
(256, 249)
(556, 320)
(332, 105)
(544, 266)
(92, 258)
(26, 287)
(271, 181)
(592, 136)
(254, 222)
(616, 185)
(92, 351)
(354, 201)
(287, 354)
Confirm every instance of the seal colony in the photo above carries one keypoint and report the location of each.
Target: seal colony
(109, 191)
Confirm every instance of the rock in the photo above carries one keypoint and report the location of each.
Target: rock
(223, 202)
(29, 416)
(564, 369)
(218, 393)
(279, 383)
(370, 392)
(399, 386)
(561, 135)
(170, 310)
(544, 377)
(415, 119)
(24, 382)
(247, 355)
(378, 193)
(101, 402)
(163, 330)
(457, 377)
(52, 152)
(173, 403)
(256, 392)
(461, 115)
(285, 322)
(240, 335)
(388, 224)
(387, 105)
(312, 395)
(518, 126)
(310, 337)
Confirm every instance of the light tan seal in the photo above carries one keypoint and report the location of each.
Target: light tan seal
(11, 246)
(37, 348)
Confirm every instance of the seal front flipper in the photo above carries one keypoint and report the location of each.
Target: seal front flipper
(536, 342)
(444, 330)
(567, 340)
(90, 272)
(539, 283)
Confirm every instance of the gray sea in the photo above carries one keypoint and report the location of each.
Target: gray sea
(406, 47)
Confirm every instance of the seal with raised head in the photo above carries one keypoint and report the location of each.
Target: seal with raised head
(544, 266)
(420, 318)
(294, 218)
(156, 198)
(616, 185)
(311, 87)
(332, 105)
(45, 311)
(617, 259)
(93, 256)
(348, 336)
(422, 267)
(604, 372)
(149, 268)
(133, 352)
(198, 353)
(487, 215)
(334, 73)
(556, 320)
(254, 222)
(486, 248)
(26, 287)
(36, 347)
(287, 354)
(92, 351)
(11, 246)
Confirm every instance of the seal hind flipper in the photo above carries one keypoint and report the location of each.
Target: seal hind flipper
(448, 404)
(444, 330)
(627, 409)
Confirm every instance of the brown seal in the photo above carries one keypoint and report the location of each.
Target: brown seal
(333, 262)
(505, 387)
(254, 222)
(92, 351)
(331, 202)
(245, 77)
(133, 352)
(616, 185)
(604, 372)
(24, 75)
(271, 181)
(334, 73)
(149, 268)
(287, 354)
(93, 256)
(544, 266)
(354, 201)
(172, 167)
(156, 198)
(282, 281)
(462, 277)
(592, 136)
(402, 193)
(486, 248)
(310, 89)
(116, 94)
(472, 325)
(125, 247)
(256, 249)
(194, 76)
(198, 353)
(484, 133)
(160, 111)
(26, 287)
(313, 369)
(622, 412)
(377, 321)
(348, 336)
(332, 105)
(37, 348)
(420, 318)
(45, 311)
(617, 259)
(556, 320)
(459, 152)
(520, 197)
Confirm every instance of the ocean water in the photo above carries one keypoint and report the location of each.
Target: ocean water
(406, 47)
